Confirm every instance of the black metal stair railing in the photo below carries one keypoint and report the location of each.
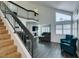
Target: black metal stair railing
(19, 27)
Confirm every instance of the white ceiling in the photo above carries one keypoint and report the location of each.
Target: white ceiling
(64, 5)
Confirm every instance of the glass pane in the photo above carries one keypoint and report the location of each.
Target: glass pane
(12, 7)
(75, 32)
(59, 27)
(45, 29)
(75, 25)
(66, 31)
(22, 13)
(58, 31)
(62, 17)
(67, 26)
(75, 29)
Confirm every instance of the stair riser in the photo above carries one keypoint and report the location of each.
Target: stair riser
(0, 20)
(13, 55)
(3, 32)
(7, 51)
(3, 37)
(1, 23)
(6, 43)
(2, 27)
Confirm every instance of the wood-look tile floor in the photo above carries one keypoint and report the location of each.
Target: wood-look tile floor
(49, 50)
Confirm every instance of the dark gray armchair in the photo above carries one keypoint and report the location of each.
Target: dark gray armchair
(45, 37)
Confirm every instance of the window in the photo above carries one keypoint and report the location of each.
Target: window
(58, 29)
(75, 29)
(62, 17)
(45, 29)
(63, 23)
(67, 29)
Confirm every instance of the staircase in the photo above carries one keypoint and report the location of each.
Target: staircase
(21, 35)
(7, 47)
